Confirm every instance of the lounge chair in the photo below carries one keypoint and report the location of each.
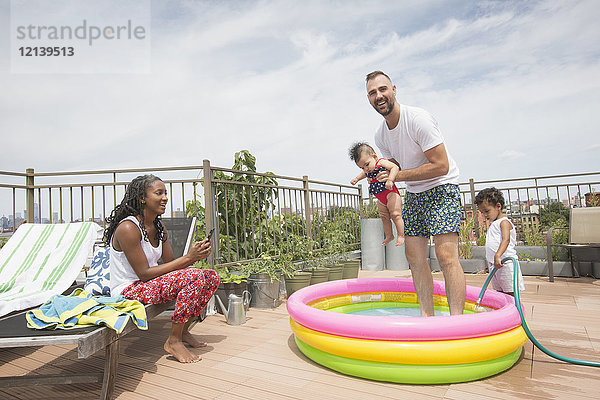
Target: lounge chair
(14, 333)
(584, 233)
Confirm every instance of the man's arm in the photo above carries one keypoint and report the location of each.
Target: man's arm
(393, 169)
(438, 165)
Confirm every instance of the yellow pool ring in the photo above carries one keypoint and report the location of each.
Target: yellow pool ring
(442, 352)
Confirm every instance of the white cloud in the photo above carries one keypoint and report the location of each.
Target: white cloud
(511, 155)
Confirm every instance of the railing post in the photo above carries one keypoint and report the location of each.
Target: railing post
(307, 207)
(30, 182)
(210, 211)
(474, 207)
(549, 255)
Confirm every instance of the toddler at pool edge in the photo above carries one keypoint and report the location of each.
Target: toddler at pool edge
(500, 240)
(389, 201)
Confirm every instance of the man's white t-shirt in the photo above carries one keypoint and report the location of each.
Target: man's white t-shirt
(417, 131)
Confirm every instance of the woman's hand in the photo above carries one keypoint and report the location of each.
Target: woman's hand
(199, 250)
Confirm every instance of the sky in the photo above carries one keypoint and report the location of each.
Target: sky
(514, 86)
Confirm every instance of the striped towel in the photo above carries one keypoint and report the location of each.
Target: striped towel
(81, 309)
(41, 260)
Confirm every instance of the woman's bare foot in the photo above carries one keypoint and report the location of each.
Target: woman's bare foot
(400, 241)
(178, 350)
(387, 240)
(192, 341)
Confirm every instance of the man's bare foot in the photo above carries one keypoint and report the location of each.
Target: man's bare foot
(192, 341)
(387, 240)
(400, 241)
(178, 350)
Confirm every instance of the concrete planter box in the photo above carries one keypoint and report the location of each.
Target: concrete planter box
(584, 268)
(473, 265)
(395, 256)
(523, 252)
(470, 266)
(596, 270)
(477, 263)
(372, 252)
(540, 268)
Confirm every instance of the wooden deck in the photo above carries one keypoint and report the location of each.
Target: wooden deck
(259, 360)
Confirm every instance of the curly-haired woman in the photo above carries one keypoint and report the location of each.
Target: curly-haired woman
(137, 240)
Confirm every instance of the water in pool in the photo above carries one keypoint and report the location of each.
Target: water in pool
(395, 312)
(387, 308)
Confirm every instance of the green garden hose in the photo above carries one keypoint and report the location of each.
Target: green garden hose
(524, 323)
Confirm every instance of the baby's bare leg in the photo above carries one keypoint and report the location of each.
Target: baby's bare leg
(387, 223)
(394, 206)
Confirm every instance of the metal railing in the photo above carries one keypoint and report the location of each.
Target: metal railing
(252, 207)
(249, 208)
(526, 197)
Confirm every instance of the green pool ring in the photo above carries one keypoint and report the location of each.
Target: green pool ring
(411, 374)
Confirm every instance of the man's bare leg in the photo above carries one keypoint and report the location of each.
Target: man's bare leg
(416, 254)
(446, 251)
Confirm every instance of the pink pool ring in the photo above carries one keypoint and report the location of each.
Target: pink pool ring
(503, 318)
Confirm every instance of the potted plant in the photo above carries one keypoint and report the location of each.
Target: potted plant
(235, 282)
(297, 256)
(264, 275)
(335, 255)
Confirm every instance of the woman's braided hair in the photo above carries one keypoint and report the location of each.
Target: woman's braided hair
(132, 205)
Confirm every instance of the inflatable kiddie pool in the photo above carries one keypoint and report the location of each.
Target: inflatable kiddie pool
(330, 328)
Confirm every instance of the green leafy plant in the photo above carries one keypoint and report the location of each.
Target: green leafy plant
(336, 246)
(465, 235)
(251, 224)
(369, 210)
(529, 257)
(243, 204)
(228, 277)
(480, 240)
(272, 266)
(592, 199)
(3, 242)
(534, 237)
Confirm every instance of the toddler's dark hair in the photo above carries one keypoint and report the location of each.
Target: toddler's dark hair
(491, 195)
(358, 149)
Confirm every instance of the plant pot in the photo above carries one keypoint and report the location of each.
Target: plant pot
(319, 275)
(335, 272)
(299, 280)
(350, 269)
(225, 289)
(371, 236)
(395, 256)
(265, 294)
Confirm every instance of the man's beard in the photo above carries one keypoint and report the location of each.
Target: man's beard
(388, 110)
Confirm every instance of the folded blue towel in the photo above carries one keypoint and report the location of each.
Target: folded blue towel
(82, 309)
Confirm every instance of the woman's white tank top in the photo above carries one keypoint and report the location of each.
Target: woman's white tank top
(121, 272)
